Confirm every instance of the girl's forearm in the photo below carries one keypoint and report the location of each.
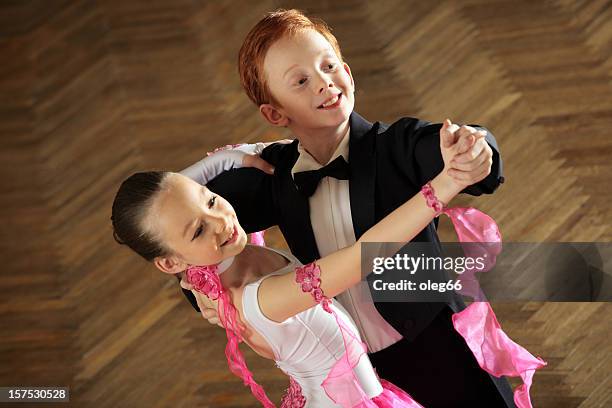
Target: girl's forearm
(342, 269)
(224, 159)
(280, 297)
(406, 221)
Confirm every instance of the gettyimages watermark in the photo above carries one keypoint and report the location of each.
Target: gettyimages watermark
(512, 271)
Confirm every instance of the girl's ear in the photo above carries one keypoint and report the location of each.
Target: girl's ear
(169, 264)
(273, 115)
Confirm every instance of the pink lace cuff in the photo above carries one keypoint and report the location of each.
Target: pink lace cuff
(293, 397)
(432, 201)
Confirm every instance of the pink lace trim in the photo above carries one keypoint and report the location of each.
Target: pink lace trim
(309, 278)
(432, 201)
(293, 397)
(341, 385)
(206, 281)
(202, 279)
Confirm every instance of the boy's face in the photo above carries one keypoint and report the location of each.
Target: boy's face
(314, 88)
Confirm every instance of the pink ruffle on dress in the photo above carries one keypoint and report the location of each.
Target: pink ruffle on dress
(257, 238)
(206, 281)
(495, 352)
(394, 397)
(341, 384)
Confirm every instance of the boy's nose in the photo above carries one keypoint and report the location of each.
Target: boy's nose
(323, 84)
(323, 88)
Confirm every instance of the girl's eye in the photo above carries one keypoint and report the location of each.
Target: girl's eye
(302, 81)
(198, 231)
(330, 66)
(211, 202)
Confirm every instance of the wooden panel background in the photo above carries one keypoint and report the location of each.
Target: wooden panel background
(91, 91)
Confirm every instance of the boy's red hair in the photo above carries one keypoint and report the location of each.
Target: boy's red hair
(269, 29)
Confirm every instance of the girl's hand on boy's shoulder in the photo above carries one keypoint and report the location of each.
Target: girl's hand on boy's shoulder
(253, 159)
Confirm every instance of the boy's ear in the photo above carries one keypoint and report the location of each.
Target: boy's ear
(348, 71)
(169, 264)
(274, 116)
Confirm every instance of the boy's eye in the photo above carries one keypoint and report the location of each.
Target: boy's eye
(211, 202)
(302, 81)
(330, 66)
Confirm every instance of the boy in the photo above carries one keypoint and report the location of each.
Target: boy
(291, 67)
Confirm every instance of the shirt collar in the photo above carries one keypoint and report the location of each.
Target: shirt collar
(306, 162)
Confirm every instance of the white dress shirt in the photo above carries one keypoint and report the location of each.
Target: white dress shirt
(332, 224)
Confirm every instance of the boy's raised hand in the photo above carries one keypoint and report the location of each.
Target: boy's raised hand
(472, 156)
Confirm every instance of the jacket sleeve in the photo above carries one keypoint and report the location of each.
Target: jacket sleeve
(251, 192)
(420, 146)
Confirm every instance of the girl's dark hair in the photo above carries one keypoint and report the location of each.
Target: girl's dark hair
(129, 207)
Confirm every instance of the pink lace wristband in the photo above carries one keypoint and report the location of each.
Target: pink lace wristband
(432, 201)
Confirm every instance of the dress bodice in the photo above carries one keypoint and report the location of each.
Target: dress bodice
(307, 345)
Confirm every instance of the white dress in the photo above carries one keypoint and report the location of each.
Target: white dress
(307, 345)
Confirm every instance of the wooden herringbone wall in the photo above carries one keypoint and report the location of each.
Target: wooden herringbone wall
(91, 91)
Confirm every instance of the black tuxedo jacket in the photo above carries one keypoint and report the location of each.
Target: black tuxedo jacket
(389, 164)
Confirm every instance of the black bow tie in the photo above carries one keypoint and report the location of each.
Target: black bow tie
(307, 181)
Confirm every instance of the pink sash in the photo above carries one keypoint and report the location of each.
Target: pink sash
(495, 352)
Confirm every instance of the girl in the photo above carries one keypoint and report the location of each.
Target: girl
(264, 297)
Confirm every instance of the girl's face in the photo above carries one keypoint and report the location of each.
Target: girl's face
(196, 225)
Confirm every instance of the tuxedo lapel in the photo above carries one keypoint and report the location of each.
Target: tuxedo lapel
(299, 234)
(362, 162)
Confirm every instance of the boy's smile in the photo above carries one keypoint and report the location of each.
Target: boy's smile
(332, 103)
(312, 86)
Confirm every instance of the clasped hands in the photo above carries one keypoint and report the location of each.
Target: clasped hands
(467, 156)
